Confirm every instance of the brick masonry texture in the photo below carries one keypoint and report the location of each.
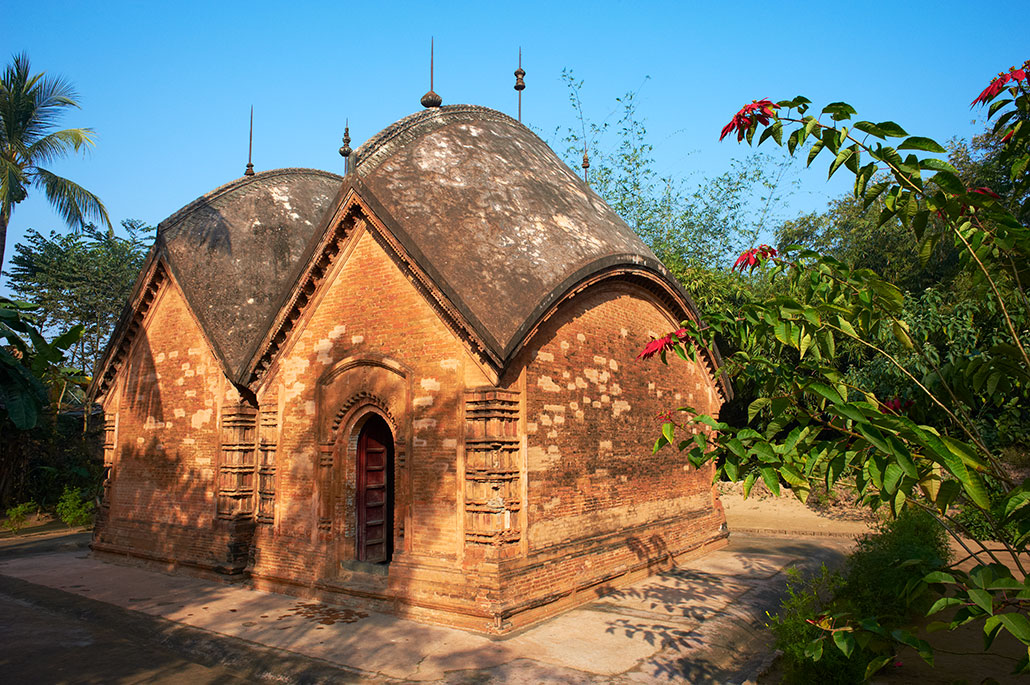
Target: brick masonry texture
(511, 502)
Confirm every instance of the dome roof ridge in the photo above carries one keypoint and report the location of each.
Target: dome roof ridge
(400, 133)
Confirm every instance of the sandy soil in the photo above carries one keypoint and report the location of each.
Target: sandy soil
(764, 512)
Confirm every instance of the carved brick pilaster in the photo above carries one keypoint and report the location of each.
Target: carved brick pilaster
(493, 487)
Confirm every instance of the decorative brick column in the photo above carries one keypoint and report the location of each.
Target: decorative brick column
(493, 486)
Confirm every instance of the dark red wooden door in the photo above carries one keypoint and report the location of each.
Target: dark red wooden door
(375, 492)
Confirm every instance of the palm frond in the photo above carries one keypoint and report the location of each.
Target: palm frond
(58, 144)
(12, 184)
(74, 203)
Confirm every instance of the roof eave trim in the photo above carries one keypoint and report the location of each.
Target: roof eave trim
(614, 267)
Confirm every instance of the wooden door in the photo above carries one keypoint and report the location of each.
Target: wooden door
(375, 492)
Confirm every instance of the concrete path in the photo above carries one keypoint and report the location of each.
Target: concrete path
(699, 623)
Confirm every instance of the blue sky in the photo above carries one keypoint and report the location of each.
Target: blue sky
(168, 86)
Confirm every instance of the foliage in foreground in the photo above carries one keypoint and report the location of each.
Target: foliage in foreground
(874, 579)
(812, 424)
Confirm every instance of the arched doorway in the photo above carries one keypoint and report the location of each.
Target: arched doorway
(374, 496)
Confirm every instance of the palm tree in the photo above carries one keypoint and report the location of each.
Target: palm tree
(29, 108)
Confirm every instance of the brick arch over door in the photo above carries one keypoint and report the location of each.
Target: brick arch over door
(349, 393)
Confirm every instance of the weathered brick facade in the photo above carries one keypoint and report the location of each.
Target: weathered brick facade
(519, 473)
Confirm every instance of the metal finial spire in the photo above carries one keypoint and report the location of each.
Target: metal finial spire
(431, 99)
(345, 150)
(520, 84)
(250, 145)
(586, 164)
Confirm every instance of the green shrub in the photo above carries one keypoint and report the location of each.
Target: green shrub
(872, 585)
(877, 573)
(73, 509)
(16, 516)
(807, 599)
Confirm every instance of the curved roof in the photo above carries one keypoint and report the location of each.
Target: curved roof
(502, 222)
(237, 250)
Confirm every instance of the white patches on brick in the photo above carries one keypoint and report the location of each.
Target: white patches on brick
(613, 365)
(620, 406)
(357, 339)
(531, 427)
(679, 396)
(150, 423)
(202, 461)
(570, 386)
(337, 331)
(430, 384)
(450, 443)
(425, 401)
(603, 377)
(191, 393)
(605, 445)
(185, 366)
(173, 354)
(554, 408)
(292, 369)
(605, 399)
(552, 449)
(580, 337)
(309, 407)
(552, 435)
(586, 400)
(602, 388)
(579, 414)
(595, 405)
(180, 381)
(650, 387)
(140, 440)
(159, 358)
(323, 347)
(545, 419)
(600, 361)
(192, 351)
(190, 373)
(623, 332)
(423, 424)
(566, 374)
(179, 412)
(449, 364)
(659, 393)
(615, 389)
(190, 441)
(574, 405)
(591, 375)
(420, 442)
(200, 417)
(564, 345)
(559, 419)
(547, 384)
(545, 356)
(209, 403)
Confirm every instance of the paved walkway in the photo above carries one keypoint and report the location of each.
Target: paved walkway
(699, 623)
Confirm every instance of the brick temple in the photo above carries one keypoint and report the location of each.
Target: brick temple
(413, 387)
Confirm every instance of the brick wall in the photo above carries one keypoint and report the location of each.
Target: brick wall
(165, 404)
(368, 310)
(600, 503)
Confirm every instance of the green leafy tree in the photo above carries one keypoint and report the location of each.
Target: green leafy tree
(30, 104)
(80, 279)
(811, 424)
(692, 230)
